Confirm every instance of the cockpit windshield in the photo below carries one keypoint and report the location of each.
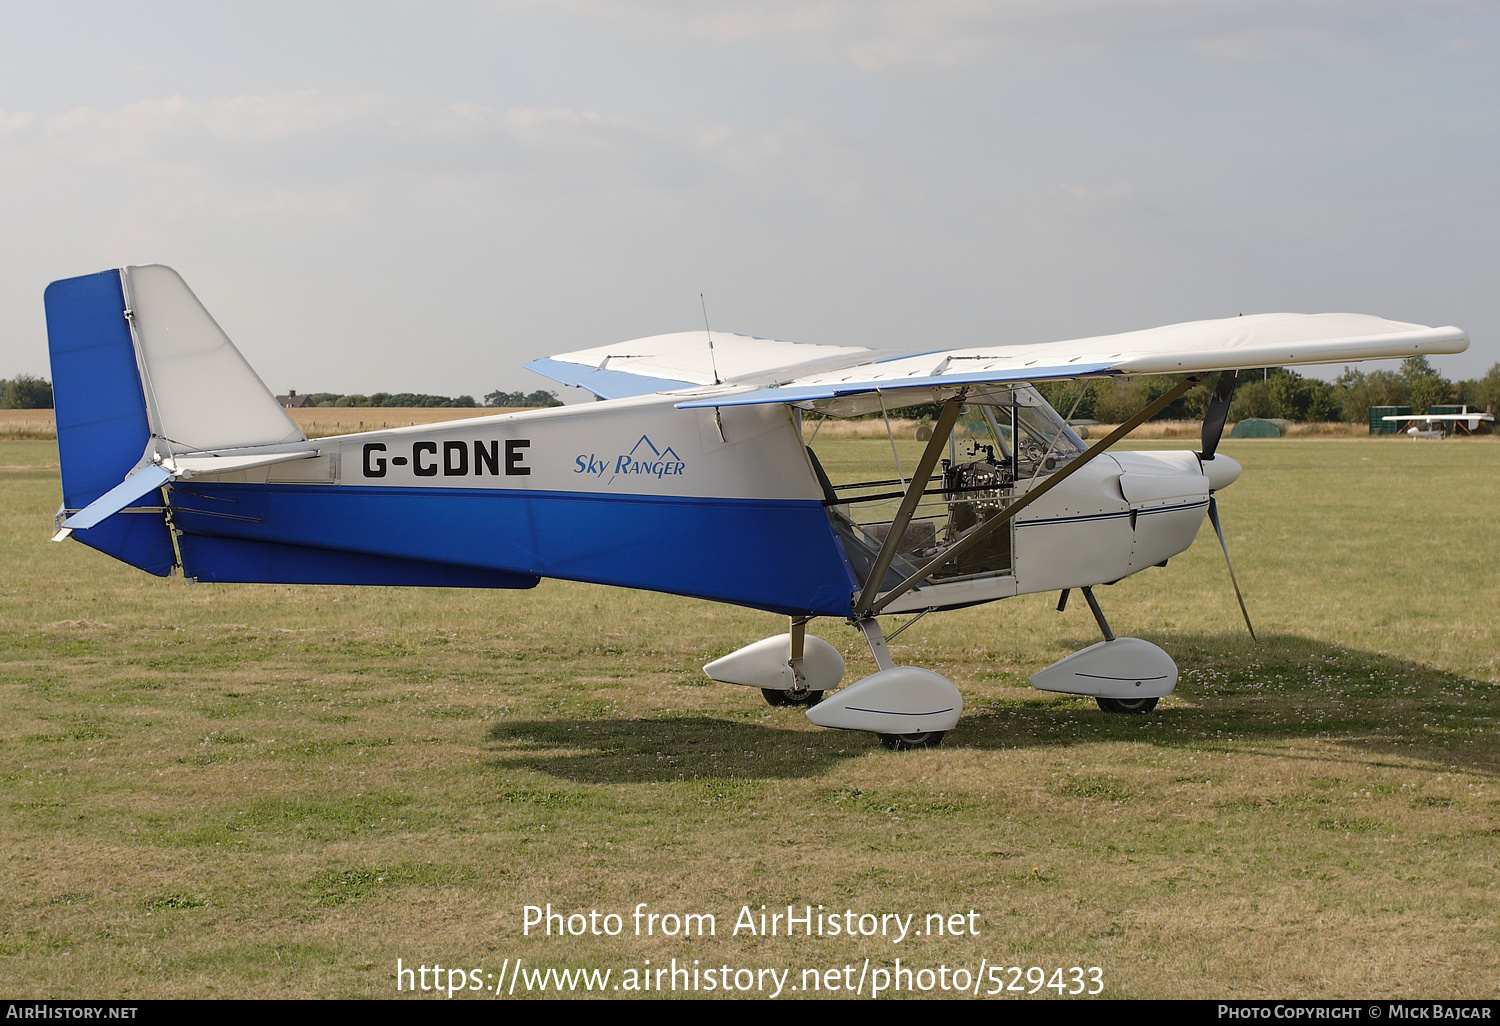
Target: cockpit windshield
(1003, 442)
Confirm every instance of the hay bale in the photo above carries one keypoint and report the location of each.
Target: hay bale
(1254, 427)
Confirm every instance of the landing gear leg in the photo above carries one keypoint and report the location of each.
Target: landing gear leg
(1088, 593)
(1113, 663)
(800, 695)
(1123, 706)
(875, 638)
(905, 706)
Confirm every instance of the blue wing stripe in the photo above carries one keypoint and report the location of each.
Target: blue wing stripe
(807, 393)
(607, 384)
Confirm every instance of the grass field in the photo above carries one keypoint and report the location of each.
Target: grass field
(269, 791)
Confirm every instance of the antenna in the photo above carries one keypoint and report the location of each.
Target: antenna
(711, 361)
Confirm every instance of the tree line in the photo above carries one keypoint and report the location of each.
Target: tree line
(1272, 392)
(538, 398)
(25, 392)
(1278, 393)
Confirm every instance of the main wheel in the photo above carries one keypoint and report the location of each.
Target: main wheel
(905, 742)
(776, 697)
(1127, 706)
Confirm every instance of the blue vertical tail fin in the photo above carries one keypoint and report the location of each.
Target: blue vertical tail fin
(103, 428)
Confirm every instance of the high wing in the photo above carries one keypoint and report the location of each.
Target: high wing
(847, 381)
(664, 363)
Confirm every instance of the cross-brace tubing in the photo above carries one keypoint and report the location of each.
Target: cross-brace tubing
(914, 490)
(868, 605)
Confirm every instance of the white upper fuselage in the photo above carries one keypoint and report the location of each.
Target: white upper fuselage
(1123, 512)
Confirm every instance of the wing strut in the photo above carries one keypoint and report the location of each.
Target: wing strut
(914, 490)
(978, 531)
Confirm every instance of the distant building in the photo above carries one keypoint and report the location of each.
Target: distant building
(293, 401)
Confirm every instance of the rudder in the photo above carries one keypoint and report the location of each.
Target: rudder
(100, 407)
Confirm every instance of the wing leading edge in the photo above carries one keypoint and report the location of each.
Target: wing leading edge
(741, 370)
(684, 359)
(1262, 340)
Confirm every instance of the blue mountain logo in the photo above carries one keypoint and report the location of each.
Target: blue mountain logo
(660, 454)
(644, 459)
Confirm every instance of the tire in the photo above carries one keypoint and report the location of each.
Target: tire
(1127, 706)
(906, 742)
(778, 698)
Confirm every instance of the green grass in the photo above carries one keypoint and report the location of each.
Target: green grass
(278, 791)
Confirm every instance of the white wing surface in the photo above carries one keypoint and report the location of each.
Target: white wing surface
(663, 363)
(742, 370)
(1262, 340)
(1432, 417)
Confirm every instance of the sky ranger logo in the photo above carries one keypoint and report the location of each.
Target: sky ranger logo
(644, 459)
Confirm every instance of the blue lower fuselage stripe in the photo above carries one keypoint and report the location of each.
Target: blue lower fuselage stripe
(777, 555)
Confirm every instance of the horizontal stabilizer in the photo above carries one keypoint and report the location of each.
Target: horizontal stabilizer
(223, 463)
(117, 498)
(154, 475)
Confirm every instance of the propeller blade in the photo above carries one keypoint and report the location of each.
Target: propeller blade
(1213, 516)
(1218, 413)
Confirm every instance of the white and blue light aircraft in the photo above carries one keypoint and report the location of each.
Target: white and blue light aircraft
(1437, 425)
(691, 477)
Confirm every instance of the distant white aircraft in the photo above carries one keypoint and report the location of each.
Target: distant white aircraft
(1422, 423)
(691, 478)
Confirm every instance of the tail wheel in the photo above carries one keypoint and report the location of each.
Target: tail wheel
(1127, 706)
(905, 742)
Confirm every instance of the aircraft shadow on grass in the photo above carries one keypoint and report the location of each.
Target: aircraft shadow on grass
(1366, 707)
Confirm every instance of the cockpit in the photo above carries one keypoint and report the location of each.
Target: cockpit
(1002, 443)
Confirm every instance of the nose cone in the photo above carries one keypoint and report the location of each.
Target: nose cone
(1221, 471)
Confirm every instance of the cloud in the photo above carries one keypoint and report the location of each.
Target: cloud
(311, 151)
(896, 35)
(839, 170)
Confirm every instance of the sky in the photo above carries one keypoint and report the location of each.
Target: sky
(391, 196)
